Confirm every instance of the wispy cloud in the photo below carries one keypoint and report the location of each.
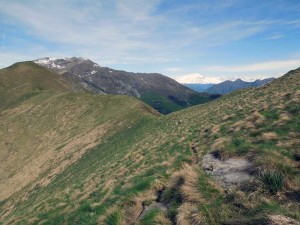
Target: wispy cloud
(221, 33)
(258, 67)
(172, 69)
(275, 37)
(145, 35)
(123, 28)
(89, 25)
(204, 6)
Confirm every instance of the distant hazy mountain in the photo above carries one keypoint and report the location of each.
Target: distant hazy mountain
(229, 86)
(161, 92)
(196, 78)
(197, 82)
(199, 87)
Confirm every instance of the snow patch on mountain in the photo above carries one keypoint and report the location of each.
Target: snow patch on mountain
(49, 62)
(45, 61)
(196, 78)
(64, 64)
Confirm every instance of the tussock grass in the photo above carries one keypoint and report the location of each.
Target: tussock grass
(150, 217)
(114, 217)
(273, 180)
(188, 213)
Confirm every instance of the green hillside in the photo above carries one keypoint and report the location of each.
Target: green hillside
(76, 158)
(23, 80)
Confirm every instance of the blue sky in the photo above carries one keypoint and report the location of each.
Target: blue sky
(218, 38)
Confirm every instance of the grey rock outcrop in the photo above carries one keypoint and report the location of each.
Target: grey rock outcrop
(230, 172)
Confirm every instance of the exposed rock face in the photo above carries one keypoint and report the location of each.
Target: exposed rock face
(112, 81)
(228, 173)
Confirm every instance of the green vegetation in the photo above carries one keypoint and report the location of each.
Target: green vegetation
(271, 115)
(113, 218)
(149, 218)
(239, 145)
(25, 80)
(102, 159)
(160, 103)
(166, 105)
(273, 180)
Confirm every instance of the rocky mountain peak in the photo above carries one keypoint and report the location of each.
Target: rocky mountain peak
(78, 65)
(162, 93)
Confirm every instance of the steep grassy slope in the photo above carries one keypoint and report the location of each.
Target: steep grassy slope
(258, 124)
(53, 130)
(159, 160)
(44, 133)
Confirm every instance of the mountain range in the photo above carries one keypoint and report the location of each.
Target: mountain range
(214, 85)
(162, 93)
(71, 156)
(196, 78)
(197, 82)
(230, 86)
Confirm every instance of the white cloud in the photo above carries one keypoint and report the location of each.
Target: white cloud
(258, 67)
(295, 23)
(196, 78)
(220, 33)
(118, 29)
(136, 34)
(89, 25)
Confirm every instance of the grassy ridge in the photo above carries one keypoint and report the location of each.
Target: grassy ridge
(23, 80)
